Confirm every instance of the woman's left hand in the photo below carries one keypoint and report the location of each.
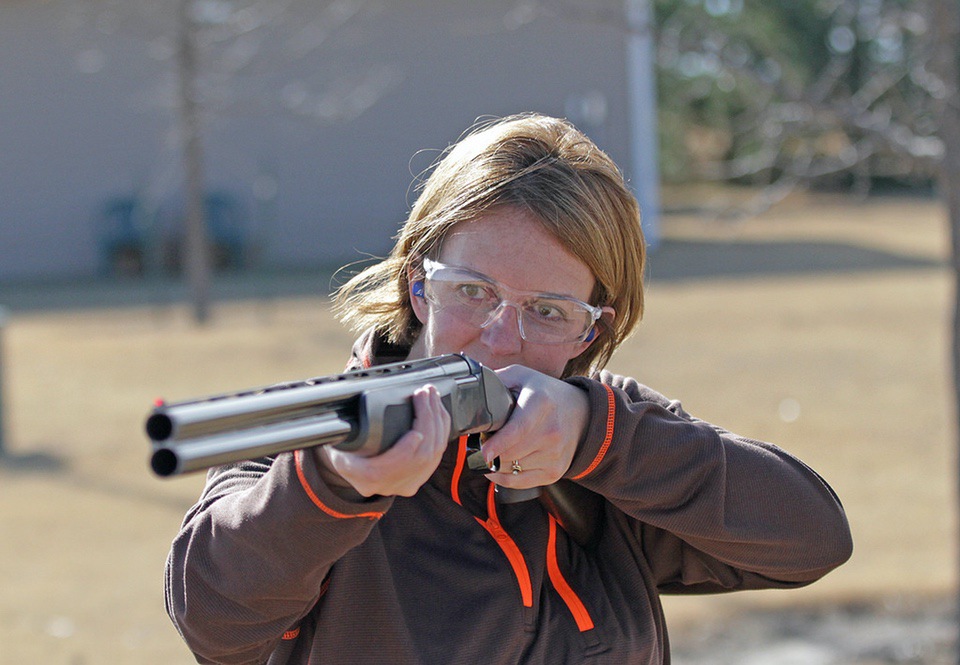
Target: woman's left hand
(543, 432)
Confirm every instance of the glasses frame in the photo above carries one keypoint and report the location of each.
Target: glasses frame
(516, 299)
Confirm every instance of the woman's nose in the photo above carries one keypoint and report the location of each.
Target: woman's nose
(501, 332)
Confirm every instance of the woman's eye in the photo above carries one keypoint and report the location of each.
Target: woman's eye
(549, 311)
(471, 291)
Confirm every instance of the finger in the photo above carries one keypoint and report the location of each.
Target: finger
(400, 470)
(443, 420)
(431, 418)
(417, 453)
(404, 467)
(514, 376)
(523, 480)
(514, 440)
(519, 380)
(425, 416)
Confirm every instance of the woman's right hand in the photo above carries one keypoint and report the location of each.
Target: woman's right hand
(403, 468)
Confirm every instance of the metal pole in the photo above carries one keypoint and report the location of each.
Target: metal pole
(642, 95)
(3, 324)
(945, 19)
(197, 251)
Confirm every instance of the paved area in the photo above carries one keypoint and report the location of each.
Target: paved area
(157, 291)
(852, 635)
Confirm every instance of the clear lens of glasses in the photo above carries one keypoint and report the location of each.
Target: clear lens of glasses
(478, 300)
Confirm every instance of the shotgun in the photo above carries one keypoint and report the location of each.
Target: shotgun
(364, 412)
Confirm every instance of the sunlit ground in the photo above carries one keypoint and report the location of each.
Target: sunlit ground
(821, 326)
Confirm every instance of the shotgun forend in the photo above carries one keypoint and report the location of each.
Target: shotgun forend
(364, 411)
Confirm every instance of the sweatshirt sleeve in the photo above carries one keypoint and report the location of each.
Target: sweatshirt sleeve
(252, 555)
(713, 511)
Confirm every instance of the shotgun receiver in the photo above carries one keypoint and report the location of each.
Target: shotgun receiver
(363, 411)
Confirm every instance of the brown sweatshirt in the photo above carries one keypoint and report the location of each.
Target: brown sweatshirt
(272, 566)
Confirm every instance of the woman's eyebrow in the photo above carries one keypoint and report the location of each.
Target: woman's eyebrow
(491, 280)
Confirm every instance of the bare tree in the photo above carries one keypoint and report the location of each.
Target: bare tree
(945, 16)
(234, 57)
(197, 250)
(885, 102)
(946, 19)
(878, 98)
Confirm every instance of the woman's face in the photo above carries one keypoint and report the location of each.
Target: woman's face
(511, 247)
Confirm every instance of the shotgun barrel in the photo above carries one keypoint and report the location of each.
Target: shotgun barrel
(363, 411)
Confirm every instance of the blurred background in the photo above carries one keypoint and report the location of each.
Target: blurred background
(181, 179)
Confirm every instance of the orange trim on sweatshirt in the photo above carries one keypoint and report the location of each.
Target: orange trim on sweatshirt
(509, 547)
(569, 596)
(298, 458)
(458, 469)
(608, 437)
(292, 634)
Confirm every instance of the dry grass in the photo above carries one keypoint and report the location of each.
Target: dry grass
(821, 326)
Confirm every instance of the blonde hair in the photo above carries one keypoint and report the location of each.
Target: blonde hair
(545, 166)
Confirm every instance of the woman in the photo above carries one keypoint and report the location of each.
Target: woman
(524, 252)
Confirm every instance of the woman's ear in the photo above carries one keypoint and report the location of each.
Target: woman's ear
(418, 301)
(604, 322)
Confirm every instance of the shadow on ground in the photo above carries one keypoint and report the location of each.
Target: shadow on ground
(31, 462)
(891, 632)
(682, 260)
(674, 260)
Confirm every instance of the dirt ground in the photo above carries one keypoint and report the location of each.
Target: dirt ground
(820, 325)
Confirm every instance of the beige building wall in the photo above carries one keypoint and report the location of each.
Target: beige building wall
(315, 125)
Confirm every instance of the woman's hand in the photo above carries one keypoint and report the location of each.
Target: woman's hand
(543, 432)
(404, 467)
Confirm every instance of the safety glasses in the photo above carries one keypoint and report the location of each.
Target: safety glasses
(476, 299)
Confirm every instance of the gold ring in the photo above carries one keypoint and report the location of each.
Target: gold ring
(517, 469)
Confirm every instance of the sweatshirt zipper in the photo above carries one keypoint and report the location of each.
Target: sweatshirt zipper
(494, 528)
(567, 594)
(509, 547)
(515, 557)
